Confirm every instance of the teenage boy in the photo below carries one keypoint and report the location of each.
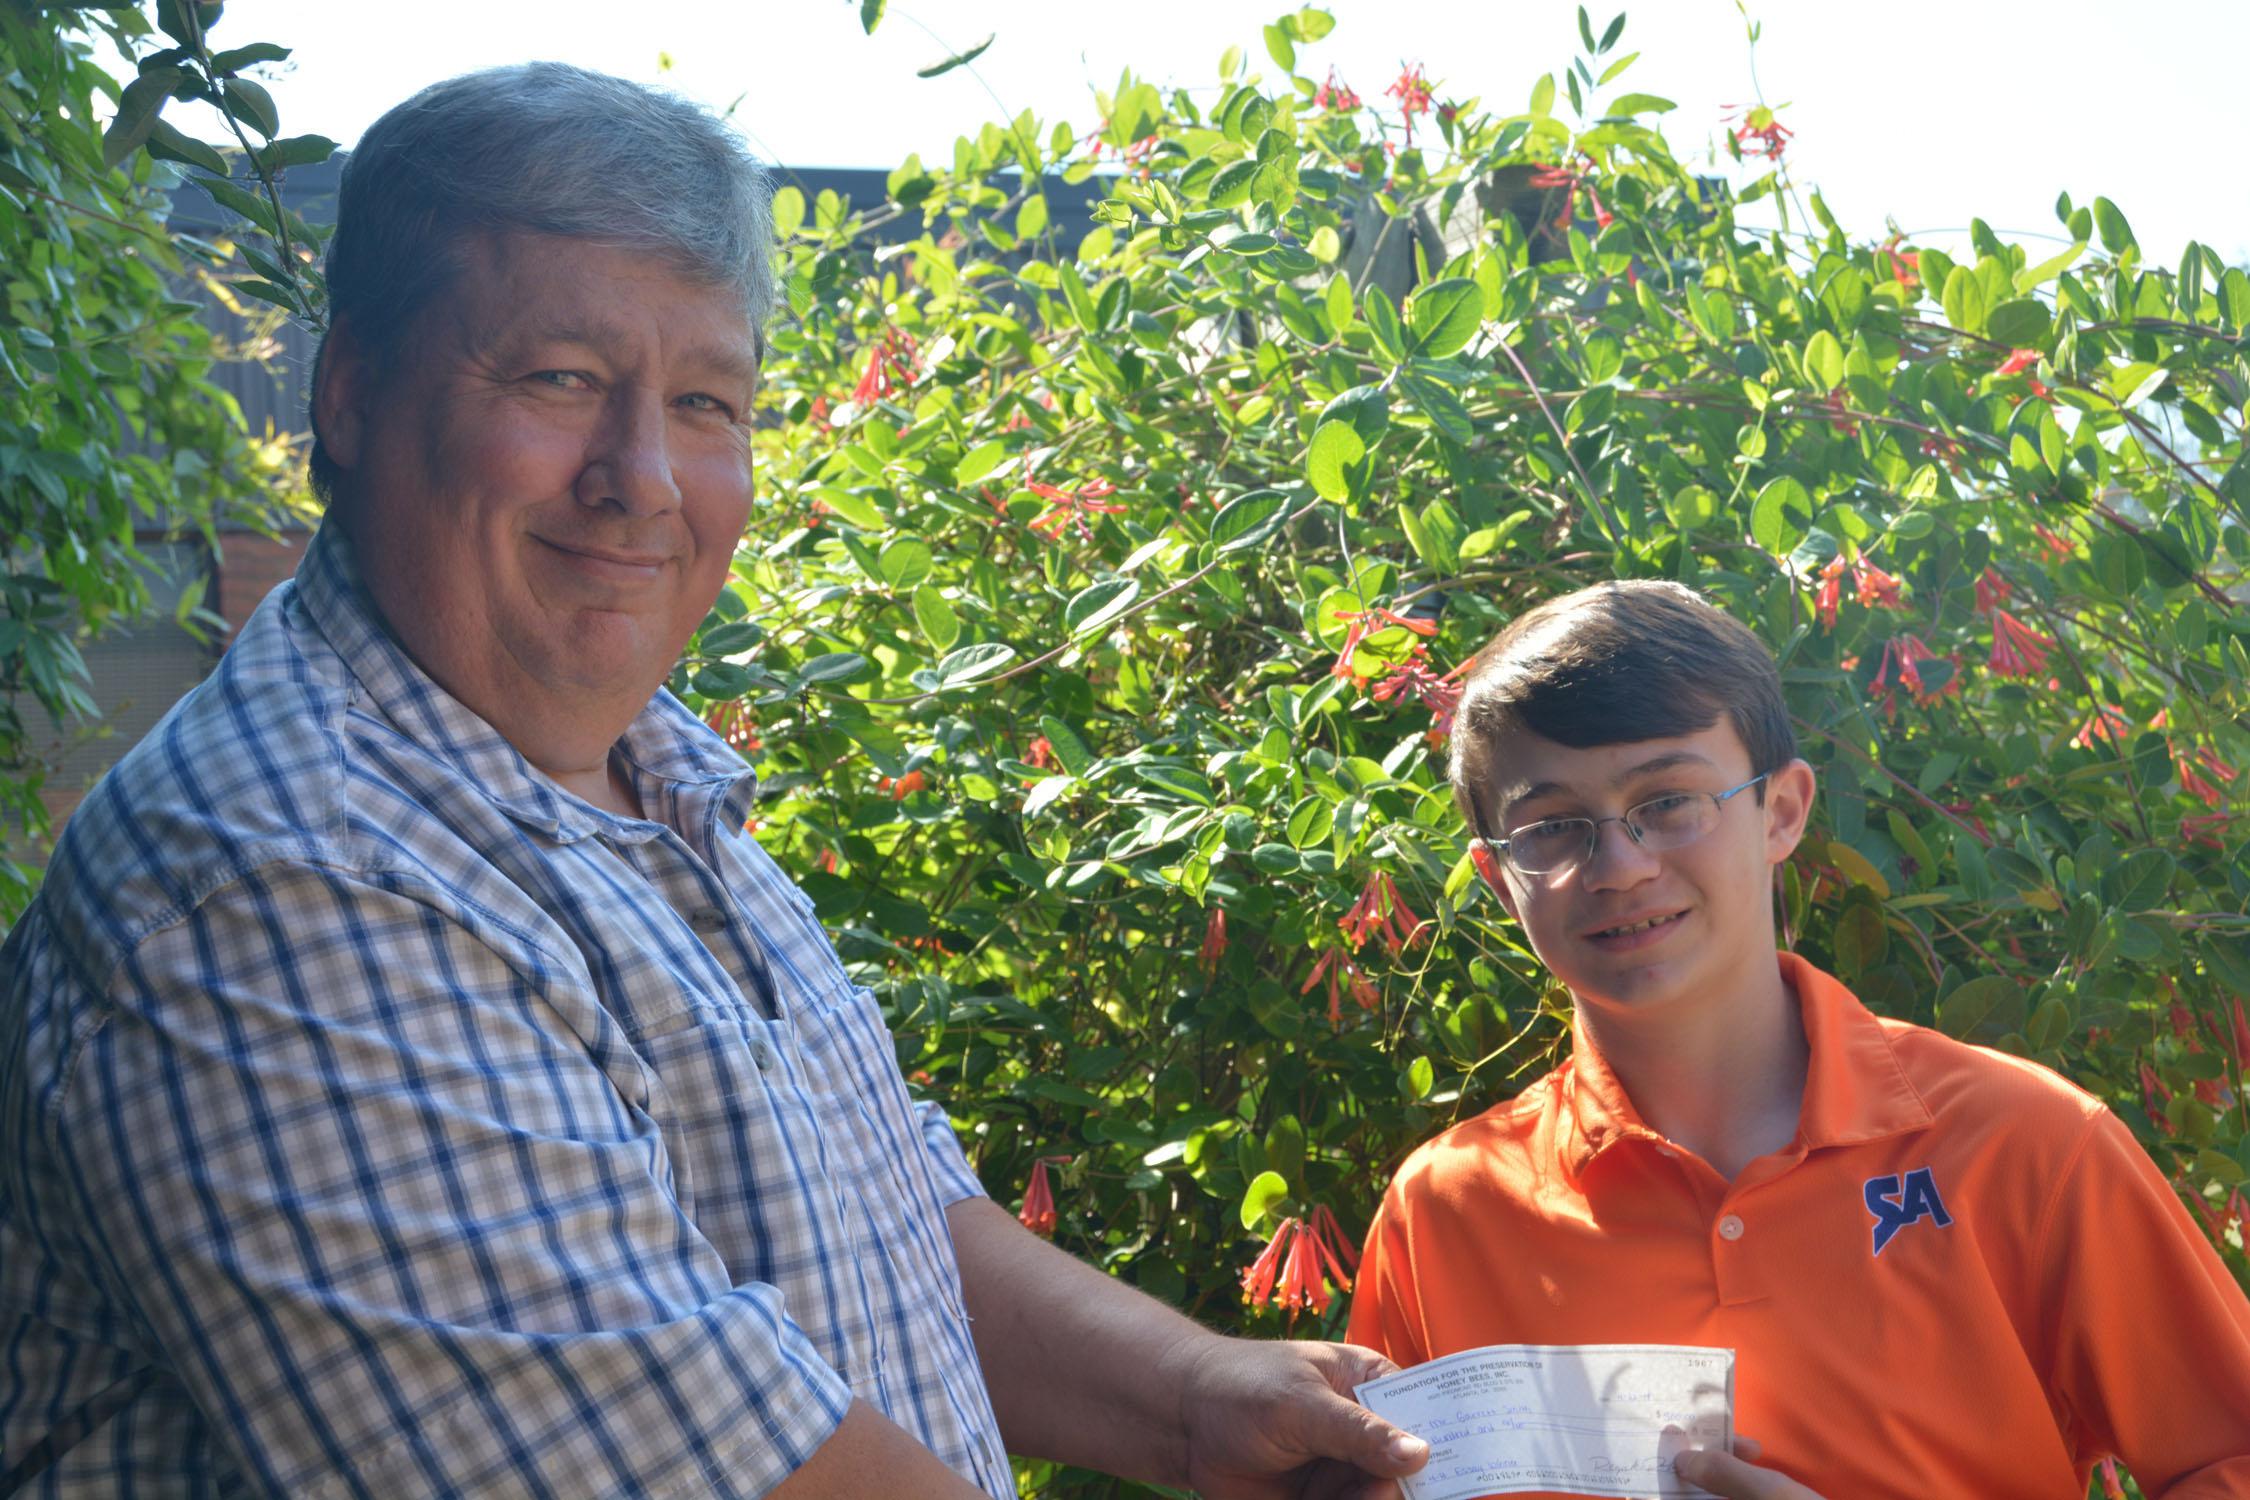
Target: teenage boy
(1944, 1271)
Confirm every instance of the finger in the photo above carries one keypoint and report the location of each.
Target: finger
(1729, 1477)
(1748, 1448)
(1360, 1364)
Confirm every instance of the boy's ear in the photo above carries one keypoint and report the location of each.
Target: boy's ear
(1488, 866)
(1789, 800)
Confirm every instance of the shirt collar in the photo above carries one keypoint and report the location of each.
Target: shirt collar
(1856, 1089)
(685, 773)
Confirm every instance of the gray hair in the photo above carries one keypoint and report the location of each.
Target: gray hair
(551, 149)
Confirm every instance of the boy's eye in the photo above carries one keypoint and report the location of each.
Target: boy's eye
(1668, 803)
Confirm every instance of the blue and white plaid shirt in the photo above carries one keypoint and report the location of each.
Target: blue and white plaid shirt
(377, 1119)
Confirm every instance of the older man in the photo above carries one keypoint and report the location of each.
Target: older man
(413, 1082)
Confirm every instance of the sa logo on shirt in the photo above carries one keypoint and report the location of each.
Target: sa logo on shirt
(1897, 1201)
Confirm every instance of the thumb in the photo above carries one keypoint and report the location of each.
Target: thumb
(1353, 1433)
(1730, 1478)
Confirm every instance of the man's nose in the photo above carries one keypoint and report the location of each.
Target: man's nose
(1618, 861)
(629, 461)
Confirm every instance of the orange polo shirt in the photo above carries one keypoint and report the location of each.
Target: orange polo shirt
(1964, 1278)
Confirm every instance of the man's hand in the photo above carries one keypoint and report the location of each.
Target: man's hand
(1276, 1421)
(1735, 1476)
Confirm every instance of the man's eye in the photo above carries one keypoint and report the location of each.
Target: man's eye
(566, 380)
(699, 401)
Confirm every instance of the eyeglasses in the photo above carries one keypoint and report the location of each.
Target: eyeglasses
(1555, 845)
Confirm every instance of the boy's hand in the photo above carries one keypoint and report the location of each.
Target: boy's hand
(1735, 1476)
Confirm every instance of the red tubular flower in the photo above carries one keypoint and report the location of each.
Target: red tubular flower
(1413, 678)
(2204, 829)
(1335, 1245)
(1992, 591)
(1071, 507)
(1901, 667)
(1302, 1286)
(1901, 266)
(2239, 1038)
(2017, 649)
(1486, 862)
(1380, 909)
(1258, 1279)
(2059, 548)
(1335, 94)
(1877, 589)
(1412, 91)
(1358, 627)
(2107, 722)
(733, 723)
(2018, 361)
(890, 365)
(1214, 940)
(1829, 597)
(1041, 754)
(1038, 1213)
(1342, 976)
(2192, 781)
(1770, 135)
(902, 787)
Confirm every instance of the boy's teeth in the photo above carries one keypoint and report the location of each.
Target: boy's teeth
(1636, 927)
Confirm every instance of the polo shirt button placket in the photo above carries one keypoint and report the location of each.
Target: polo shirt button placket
(1730, 1227)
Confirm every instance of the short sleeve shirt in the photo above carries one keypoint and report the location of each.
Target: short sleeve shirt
(378, 1119)
(1963, 1277)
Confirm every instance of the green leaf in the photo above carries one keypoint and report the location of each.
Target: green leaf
(2117, 235)
(2020, 323)
(1093, 608)
(1445, 315)
(1365, 407)
(250, 103)
(1267, 1188)
(971, 663)
(979, 462)
(1309, 24)
(1640, 104)
(1382, 322)
(1435, 534)
(1781, 516)
(788, 211)
(1248, 520)
(167, 142)
(1991, 1004)
(1069, 749)
(2234, 298)
(1310, 821)
(1083, 308)
(941, 627)
(905, 562)
(1964, 300)
(1281, 49)
(234, 59)
(837, 666)
(871, 15)
(1543, 96)
(958, 59)
(1421, 1076)
(1335, 448)
(851, 505)
(136, 113)
(1824, 360)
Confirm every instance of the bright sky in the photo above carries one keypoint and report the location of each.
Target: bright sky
(1923, 114)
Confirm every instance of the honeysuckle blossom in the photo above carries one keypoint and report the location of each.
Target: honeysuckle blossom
(1214, 941)
(902, 787)
(1412, 91)
(2193, 782)
(1992, 591)
(1038, 1213)
(1902, 266)
(1413, 678)
(2059, 548)
(1901, 667)
(1359, 625)
(1335, 94)
(1760, 134)
(1071, 507)
(2017, 649)
(1343, 976)
(890, 366)
(1298, 1263)
(1381, 910)
(2108, 722)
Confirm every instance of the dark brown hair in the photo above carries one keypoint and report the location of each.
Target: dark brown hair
(1643, 659)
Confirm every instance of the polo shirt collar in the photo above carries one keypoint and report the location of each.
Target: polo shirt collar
(677, 761)
(1856, 1090)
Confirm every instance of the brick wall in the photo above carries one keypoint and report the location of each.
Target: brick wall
(248, 567)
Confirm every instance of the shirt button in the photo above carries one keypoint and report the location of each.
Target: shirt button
(1730, 1227)
(707, 919)
(762, 1055)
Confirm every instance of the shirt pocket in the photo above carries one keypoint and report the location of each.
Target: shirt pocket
(756, 1159)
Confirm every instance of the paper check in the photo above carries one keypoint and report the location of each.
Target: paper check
(1582, 1419)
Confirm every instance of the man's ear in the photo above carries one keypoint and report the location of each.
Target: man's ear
(343, 380)
(1789, 799)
